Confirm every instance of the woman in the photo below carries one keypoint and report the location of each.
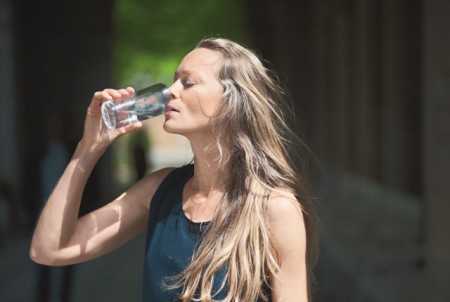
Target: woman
(234, 226)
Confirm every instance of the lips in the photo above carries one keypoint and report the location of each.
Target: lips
(170, 108)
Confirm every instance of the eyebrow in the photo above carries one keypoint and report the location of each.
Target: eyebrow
(186, 72)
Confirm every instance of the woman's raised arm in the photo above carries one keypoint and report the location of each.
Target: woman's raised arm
(60, 237)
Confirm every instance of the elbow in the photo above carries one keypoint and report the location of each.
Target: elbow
(37, 257)
(40, 256)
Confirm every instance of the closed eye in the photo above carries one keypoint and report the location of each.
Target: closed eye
(185, 77)
(187, 83)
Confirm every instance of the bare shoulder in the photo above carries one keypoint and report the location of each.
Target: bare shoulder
(157, 176)
(283, 204)
(287, 224)
(146, 187)
(288, 229)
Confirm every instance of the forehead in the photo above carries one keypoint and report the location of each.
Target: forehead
(200, 60)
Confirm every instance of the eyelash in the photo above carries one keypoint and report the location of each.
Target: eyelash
(187, 83)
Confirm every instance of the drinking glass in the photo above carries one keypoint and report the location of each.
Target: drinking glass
(144, 104)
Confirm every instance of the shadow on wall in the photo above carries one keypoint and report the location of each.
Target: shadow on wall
(370, 244)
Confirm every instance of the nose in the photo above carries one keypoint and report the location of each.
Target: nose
(174, 89)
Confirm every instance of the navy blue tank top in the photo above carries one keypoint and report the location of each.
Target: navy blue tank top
(171, 240)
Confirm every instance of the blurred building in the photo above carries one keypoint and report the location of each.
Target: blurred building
(54, 55)
(371, 84)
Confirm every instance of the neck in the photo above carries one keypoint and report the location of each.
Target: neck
(211, 169)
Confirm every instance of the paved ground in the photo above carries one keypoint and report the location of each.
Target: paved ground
(114, 277)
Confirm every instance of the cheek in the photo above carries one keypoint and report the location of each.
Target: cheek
(210, 104)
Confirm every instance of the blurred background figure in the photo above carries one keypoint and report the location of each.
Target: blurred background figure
(54, 283)
(140, 149)
(6, 201)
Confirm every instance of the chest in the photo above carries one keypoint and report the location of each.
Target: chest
(170, 246)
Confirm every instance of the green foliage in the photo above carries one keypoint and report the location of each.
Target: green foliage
(151, 37)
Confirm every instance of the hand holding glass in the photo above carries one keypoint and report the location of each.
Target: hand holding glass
(146, 103)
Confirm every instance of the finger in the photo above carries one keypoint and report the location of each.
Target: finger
(130, 128)
(124, 93)
(101, 95)
(97, 100)
(130, 90)
(115, 94)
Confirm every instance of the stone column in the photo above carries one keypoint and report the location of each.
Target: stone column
(436, 114)
(400, 95)
(7, 110)
(366, 88)
(63, 53)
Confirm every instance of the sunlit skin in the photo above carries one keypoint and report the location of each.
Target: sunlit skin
(61, 238)
(195, 97)
(196, 94)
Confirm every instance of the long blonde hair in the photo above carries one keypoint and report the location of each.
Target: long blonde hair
(266, 155)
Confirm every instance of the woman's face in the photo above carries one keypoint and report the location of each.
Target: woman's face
(195, 94)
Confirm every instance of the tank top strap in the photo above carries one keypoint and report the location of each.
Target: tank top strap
(172, 184)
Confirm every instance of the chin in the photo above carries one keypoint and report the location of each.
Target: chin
(171, 129)
(167, 128)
